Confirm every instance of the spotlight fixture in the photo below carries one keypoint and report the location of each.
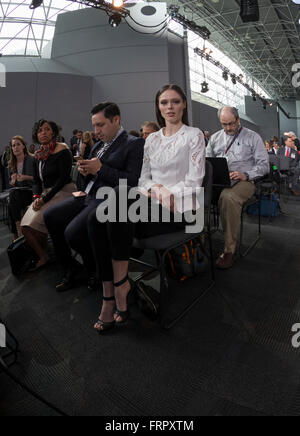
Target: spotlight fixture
(249, 11)
(225, 75)
(35, 4)
(115, 20)
(191, 25)
(113, 8)
(204, 87)
(254, 97)
(118, 3)
(264, 104)
(233, 79)
(208, 51)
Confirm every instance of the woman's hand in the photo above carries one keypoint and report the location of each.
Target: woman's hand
(38, 204)
(165, 197)
(21, 178)
(13, 179)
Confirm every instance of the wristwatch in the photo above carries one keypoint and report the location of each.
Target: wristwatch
(247, 177)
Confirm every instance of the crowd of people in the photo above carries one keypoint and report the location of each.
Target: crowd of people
(288, 147)
(161, 160)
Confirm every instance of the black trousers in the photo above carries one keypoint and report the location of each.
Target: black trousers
(19, 200)
(67, 223)
(114, 240)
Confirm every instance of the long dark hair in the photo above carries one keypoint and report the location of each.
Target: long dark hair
(185, 118)
(12, 165)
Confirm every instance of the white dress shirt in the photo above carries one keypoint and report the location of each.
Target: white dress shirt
(248, 154)
(176, 162)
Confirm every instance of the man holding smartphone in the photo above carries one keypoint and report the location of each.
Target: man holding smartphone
(118, 156)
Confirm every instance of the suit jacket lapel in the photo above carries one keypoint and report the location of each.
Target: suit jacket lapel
(114, 146)
(96, 146)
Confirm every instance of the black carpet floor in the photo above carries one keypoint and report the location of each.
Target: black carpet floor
(232, 355)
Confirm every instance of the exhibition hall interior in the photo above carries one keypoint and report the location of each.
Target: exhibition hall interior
(149, 208)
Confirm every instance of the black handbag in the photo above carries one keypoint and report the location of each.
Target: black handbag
(20, 256)
(148, 300)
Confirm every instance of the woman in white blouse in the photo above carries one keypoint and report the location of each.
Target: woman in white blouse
(174, 160)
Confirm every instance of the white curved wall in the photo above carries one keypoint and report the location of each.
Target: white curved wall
(90, 62)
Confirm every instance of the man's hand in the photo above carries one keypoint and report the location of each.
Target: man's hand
(92, 166)
(38, 204)
(238, 176)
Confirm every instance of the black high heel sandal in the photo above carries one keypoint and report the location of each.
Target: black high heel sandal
(125, 314)
(105, 326)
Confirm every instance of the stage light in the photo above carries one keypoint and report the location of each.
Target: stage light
(208, 51)
(115, 20)
(204, 87)
(233, 79)
(254, 97)
(225, 75)
(249, 10)
(35, 4)
(264, 105)
(202, 31)
(118, 3)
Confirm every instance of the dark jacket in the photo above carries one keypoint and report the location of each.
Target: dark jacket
(294, 157)
(123, 160)
(56, 172)
(29, 169)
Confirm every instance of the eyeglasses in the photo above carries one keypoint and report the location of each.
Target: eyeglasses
(232, 124)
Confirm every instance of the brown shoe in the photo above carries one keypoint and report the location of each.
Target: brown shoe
(294, 192)
(225, 261)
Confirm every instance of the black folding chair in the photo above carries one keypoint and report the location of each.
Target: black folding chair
(162, 244)
(9, 353)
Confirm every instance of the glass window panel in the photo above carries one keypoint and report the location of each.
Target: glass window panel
(15, 15)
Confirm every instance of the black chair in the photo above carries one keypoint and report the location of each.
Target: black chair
(4, 198)
(262, 185)
(257, 197)
(162, 244)
(9, 353)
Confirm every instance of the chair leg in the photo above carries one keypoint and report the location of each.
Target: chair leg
(164, 289)
(258, 237)
(12, 345)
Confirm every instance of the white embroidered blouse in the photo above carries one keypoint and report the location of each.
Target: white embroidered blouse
(176, 162)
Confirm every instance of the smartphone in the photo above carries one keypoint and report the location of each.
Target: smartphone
(79, 194)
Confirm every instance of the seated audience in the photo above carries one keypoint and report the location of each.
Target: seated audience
(290, 152)
(5, 160)
(32, 149)
(174, 160)
(53, 184)
(269, 147)
(73, 142)
(134, 133)
(119, 156)
(21, 172)
(247, 159)
(295, 140)
(276, 148)
(149, 127)
(207, 136)
(87, 145)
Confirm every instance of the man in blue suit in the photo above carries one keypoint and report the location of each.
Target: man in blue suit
(118, 156)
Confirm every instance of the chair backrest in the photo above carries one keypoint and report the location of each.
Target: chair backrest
(208, 191)
(208, 184)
